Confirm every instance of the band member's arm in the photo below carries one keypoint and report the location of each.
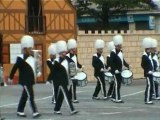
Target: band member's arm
(108, 61)
(125, 64)
(113, 62)
(49, 64)
(78, 64)
(14, 68)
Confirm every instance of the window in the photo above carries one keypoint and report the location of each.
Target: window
(35, 21)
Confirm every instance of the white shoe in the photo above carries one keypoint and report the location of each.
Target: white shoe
(157, 98)
(57, 112)
(149, 102)
(105, 98)
(95, 98)
(75, 101)
(36, 114)
(21, 114)
(74, 112)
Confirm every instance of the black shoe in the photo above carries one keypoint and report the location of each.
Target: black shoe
(36, 115)
(21, 114)
(74, 112)
(95, 98)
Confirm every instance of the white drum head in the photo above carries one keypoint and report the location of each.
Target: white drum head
(156, 74)
(108, 74)
(126, 74)
(81, 76)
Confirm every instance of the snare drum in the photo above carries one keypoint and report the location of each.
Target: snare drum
(156, 76)
(127, 77)
(108, 77)
(81, 79)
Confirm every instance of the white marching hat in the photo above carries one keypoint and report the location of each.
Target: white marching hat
(52, 50)
(27, 42)
(110, 46)
(71, 44)
(99, 44)
(154, 43)
(147, 42)
(61, 46)
(117, 39)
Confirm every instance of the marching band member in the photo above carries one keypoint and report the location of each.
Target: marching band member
(72, 45)
(99, 69)
(155, 60)
(52, 53)
(61, 79)
(117, 65)
(146, 64)
(111, 84)
(25, 63)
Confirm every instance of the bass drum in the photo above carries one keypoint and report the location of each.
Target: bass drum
(81, 78)
(127, 77)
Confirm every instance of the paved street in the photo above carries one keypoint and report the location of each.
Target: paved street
(133, 108)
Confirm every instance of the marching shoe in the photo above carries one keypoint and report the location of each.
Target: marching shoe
(113, 100)
(58, 112)
(150, 102)
(36, 115)
(105, 98)
(74, 112)
(21, 114)
(119, 101)
(75, 101)
(95, 98)
(157, 98)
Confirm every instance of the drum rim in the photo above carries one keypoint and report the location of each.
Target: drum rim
(84, 78)
(108, 75)
(156, 76)
(127, 77)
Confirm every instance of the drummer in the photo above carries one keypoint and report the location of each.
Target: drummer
(99, 69)
(146, 64)
(111, 84)
(117, 65)
(50, 61)
(72, 45)
(155, 60)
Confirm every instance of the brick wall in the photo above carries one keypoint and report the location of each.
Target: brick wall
(132, 48)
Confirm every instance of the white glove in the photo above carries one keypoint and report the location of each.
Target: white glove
(130, 66)
(150, 72)
(109, 68)
(116, 71)
(10, 81)
(102, 70)
(47, 83)
(39, 74)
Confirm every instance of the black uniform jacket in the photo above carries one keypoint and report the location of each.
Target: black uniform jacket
(116, 63)
(59, 74)
(146, 64)
(26, 74)
(97, 64)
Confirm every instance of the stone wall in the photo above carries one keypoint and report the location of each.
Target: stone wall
(132, 48)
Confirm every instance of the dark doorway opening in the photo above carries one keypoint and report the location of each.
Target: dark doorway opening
(35, 17)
